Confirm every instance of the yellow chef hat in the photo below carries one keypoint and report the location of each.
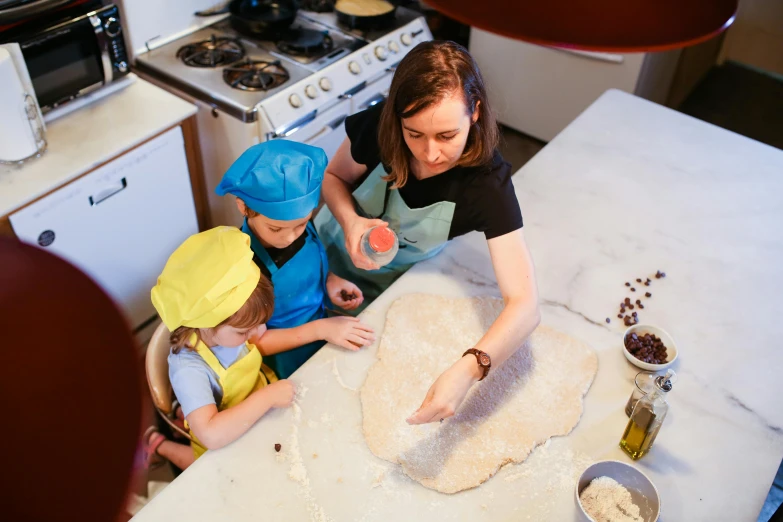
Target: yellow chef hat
(206, 280)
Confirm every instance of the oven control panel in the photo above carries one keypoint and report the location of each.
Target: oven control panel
(344, 78)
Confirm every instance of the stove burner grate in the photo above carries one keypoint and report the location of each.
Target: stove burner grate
(255, 75)
(305, 42)
(212, 52)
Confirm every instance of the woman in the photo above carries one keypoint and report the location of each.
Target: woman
(426, 164)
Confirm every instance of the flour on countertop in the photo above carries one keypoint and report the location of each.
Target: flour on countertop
(298, 471)
(339, 377)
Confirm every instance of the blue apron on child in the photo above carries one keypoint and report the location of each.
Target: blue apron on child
(300, 291)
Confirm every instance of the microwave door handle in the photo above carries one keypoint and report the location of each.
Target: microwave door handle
(103, 43)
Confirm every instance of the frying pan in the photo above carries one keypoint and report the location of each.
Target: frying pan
(257, 17)
(366, 21)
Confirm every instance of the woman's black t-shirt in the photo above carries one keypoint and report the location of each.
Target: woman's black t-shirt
(483, 196)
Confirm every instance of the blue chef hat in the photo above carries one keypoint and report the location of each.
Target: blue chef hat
(279, 179)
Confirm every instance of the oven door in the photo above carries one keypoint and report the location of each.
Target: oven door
(326, 130)
(66, 61)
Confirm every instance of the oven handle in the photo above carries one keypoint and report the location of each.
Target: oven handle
(103, 43)
(372, 102)
(329, 127)
(285, 132)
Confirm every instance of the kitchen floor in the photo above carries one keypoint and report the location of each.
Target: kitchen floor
(518, 148)
(741, 99)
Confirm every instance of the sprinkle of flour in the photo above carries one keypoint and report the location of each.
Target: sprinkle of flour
(606, 500)
(298, 471)
(339, 378)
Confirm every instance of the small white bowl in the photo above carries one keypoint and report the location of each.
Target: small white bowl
(668, 342)
(643, 491)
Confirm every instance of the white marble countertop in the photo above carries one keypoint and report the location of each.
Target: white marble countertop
(627, 189)
(89, 136)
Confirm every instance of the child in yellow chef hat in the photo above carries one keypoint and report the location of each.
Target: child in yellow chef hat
(215, 302)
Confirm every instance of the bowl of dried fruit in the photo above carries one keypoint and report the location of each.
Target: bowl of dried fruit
(649, 347)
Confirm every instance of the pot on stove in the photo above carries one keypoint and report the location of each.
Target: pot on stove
(257, 17)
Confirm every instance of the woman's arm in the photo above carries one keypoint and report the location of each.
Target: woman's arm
(216, 428)
(342, 173)
(514, 271)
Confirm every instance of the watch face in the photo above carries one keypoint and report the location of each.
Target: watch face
(484, 358)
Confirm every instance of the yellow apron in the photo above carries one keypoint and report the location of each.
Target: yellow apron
(239, 380)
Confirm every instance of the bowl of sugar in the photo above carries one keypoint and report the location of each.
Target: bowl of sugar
(615, 491)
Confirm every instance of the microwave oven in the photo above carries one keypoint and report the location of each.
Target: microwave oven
(72, 57)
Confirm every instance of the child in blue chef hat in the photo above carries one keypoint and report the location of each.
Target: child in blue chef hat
(277, 185)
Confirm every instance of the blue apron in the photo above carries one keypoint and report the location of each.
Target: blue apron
(422, 232)
(300, 293)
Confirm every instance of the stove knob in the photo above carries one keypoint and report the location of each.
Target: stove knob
(367, 58)
(406, 39)
(295, 101)
(380, 53)
(325, 84)
(122, 67)
(393, 47)
(311, 91)
(354, 67)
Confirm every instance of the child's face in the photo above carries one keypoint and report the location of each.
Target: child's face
(230, 336)
(272, 232)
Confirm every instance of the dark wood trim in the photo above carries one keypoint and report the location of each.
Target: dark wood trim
(196, 168)
(5, 227)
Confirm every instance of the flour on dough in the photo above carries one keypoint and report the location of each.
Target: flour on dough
(536, 394)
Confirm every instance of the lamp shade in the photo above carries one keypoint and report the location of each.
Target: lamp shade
(597, 25)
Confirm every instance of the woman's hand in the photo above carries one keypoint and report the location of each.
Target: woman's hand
(347, 332)
(343, 293)
(282, 393)
(448, 391)
(353, 238)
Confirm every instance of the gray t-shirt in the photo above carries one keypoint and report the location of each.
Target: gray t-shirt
(195, 384)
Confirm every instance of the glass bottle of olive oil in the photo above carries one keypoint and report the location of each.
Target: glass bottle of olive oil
(647, 417)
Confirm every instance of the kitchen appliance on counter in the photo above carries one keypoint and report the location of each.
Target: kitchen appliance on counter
(22, 133)
(73, 54)
(299, 85)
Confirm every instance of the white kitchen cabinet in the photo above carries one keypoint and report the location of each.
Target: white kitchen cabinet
(540, 90)
(120, 222)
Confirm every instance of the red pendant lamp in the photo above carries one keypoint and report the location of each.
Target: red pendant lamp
(597, 25)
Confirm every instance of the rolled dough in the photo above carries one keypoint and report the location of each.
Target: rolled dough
(536, 394)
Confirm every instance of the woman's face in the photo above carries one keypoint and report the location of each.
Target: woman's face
(436, 135)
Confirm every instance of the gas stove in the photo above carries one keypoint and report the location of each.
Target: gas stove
(300, 86)
(235, 72)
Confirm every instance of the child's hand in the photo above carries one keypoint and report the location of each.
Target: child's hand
(343, 293)
(347, 332)
(282, 393)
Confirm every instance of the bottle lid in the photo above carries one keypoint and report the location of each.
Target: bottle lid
(666, 382)
(381, 239)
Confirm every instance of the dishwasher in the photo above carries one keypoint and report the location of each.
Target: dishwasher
(119, 223)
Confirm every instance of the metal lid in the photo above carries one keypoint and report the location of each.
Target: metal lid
(666, 382)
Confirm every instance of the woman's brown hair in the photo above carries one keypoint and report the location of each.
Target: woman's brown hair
(257, 309)
(428, 74)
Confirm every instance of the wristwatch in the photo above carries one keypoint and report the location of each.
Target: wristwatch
(483, 359)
